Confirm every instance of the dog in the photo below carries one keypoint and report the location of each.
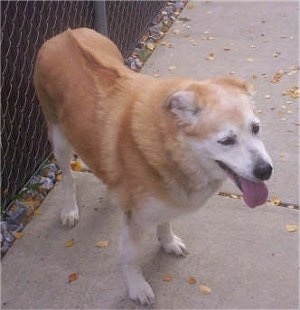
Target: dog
(162, 146)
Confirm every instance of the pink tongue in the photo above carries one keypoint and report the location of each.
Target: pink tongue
(255, 194)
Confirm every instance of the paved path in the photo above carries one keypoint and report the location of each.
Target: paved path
(245, 256)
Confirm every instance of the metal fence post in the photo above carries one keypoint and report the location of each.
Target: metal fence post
(100, 17)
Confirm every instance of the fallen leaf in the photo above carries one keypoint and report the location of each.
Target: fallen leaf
(31, 202)
(192, 280)
(58, 177)
(294, 92)
(18, 235)
(76, 165)
(276, 54)
(277, 76)
(70, 243)
(204, 289)
(249, 59)
(291, 227)
(164, 43)
(73, 277)
(282, 157)
(151, 46)
(102, 244)
(211, 56)
(276, 201)
(167, 278)
(172, 67)
(226, 49)
(267, 96)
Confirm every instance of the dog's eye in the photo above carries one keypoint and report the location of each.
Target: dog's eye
(231, 140)
(255, 128)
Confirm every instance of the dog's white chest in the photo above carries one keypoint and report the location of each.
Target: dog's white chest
(153, 211)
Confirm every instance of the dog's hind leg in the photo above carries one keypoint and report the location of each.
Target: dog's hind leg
(169, 241)
(139, 289)
(63, 152)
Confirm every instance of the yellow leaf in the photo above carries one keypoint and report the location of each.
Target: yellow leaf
(291, 227)
(151, 46)
(73, 277)
(18, 235)
(76, 165)
(276, 201)
(294, 92)
(277, 76)
(204, 289)
(59, 177)
(102, 244)
(192, 280)
(168, 278)
(70, 243)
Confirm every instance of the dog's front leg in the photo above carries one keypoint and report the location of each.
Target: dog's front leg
(169, 241)
(139, 289)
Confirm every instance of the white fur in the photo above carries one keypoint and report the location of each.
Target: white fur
(63, 152)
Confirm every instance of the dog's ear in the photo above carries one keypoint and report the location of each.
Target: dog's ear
(184, 106)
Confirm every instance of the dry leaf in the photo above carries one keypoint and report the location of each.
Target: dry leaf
(172, 67)
(102, 244)
(211, 56)
(70, 243)
(276, 54)
(276, 201)
(164, 43)
(37, 212)
(77, 165)
(167, 278)
(277, 76)
(31, 202)
(249, 59)
(192, 280)
(58, 177)
(267, 96)
(18, 235)
(73, 277)
(204, 289)
(294, 92)
(291, 227)
(151, 46)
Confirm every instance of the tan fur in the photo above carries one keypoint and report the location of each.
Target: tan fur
(115, 119)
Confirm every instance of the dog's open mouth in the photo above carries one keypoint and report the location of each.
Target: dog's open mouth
(254, 193)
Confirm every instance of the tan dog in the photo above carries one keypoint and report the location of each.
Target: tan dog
(162, 146)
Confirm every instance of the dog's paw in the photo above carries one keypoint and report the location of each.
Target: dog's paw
(70, 218)
(142, 292)
(175, 246)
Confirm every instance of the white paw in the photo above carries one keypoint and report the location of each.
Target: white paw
(142, 292)
(70, 218)
(175, 246)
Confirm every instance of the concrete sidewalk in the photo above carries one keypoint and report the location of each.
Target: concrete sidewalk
(246, 257)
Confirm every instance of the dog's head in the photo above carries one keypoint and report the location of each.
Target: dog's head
(218, 121)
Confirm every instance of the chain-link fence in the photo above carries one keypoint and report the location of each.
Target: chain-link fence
(25, 25)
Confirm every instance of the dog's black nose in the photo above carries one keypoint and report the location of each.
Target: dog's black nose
(263, 170)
